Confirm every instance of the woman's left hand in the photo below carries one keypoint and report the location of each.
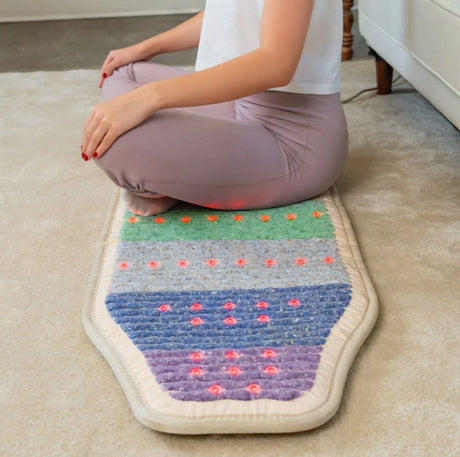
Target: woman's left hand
(111, 119)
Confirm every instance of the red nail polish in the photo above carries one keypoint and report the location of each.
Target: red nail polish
(84, 157)
(95, 155)
(104, 75)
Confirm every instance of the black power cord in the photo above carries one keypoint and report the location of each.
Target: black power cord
(367, 90)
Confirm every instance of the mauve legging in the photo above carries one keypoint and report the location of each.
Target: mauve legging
(269, 149)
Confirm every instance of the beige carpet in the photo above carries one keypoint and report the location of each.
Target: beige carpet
(401, 188)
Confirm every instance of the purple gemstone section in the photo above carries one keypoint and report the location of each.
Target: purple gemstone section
(278, 373)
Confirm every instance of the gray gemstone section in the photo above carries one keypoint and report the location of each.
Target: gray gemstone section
(225, 272)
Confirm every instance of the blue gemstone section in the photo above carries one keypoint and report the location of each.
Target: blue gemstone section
(309, 323)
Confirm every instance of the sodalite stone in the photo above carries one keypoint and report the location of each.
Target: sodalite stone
(237, 318)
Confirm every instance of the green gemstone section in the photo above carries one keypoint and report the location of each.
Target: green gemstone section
(311, 220)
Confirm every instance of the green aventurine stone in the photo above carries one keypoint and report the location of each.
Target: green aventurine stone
(308, 219)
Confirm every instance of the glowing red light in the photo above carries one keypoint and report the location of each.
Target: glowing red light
(216, 389)
(301, 261)
(213, 218)
(291, 216)
(153, 264)
(124, 265)
(238, 217)
(186, 219)
(196, 306)
(234, 371)
(230, 320)
(329, 259)
(164, 308)
(232, 355)
(317, 214)
(196, 355)
(264, 318)
(229, 305)
(212, 262)
(262, 304)
(265, 218)
(197, 371)
(270, 262)
(182, 263)
(197, 321)
(294, 302)
(133, 219)
(254, 388)
(159, 220)
(271, 369)
(269, 353)
(241, 262)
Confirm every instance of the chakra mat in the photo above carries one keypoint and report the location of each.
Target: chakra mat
(231, 321)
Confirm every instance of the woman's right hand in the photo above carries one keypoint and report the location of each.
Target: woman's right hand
(118, 57)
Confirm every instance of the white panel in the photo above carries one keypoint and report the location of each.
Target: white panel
(27, 10)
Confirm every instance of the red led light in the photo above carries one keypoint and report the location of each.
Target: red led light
(265, 218)
(329, 259)
(271, 369)
(212, 262)
(196, 355)
(270, 262)
(232, 354)
(164, 308)
(301, 261)
(264, 318)
(234, 371)
(262, 304)
(153, 264)
(213, 218)
(197, 371)
(230, 320)
(159, 220)
(241, 262)
(196, 306)
(186, 219)
(124, 265)
(269, 353)
(317, 214)
(238, 217)
(197, 321)
(294, 302)
(182, 263)
(133, 219)
(291, 216)
(216, 389)
(229, 305)
(254, 388)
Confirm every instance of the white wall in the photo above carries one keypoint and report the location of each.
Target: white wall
(36, 10)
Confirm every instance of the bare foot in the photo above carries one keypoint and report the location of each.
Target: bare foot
(144, 206)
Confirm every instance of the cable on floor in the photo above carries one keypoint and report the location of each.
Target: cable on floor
(367, 90)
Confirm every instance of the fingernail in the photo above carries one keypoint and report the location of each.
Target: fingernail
(95, 155)
(84, 157)
(104, 75)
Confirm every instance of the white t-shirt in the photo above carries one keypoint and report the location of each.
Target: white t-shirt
(232, 28)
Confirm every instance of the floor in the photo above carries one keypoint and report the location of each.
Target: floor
(84, 43)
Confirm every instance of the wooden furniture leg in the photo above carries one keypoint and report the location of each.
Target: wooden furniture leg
(348, 19)
(384, 74)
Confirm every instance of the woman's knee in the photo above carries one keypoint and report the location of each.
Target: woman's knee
(123, 166)
(121, 81)
(113, 163)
